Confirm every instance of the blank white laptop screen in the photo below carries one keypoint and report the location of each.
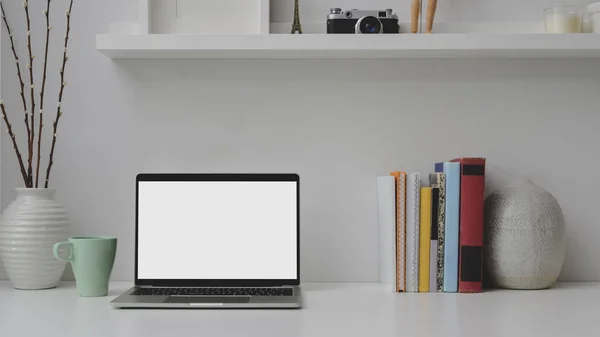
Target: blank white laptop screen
(217, 230)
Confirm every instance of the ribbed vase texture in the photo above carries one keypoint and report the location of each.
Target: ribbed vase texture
(31, 225)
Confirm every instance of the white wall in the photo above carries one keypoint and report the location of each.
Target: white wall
(449, 11)
(337, 123)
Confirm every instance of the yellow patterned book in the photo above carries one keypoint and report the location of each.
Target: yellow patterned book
(424, 239)
(400, 230)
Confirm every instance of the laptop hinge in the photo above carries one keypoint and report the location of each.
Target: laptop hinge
(151, 286)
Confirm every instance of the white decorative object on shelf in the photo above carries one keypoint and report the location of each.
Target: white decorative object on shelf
(348, 46)
(144, 16)
(525, 237)
(593, 11)
(199, 17)
(564, 19)
(31, 225)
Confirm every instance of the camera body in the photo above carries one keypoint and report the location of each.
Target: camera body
(354, 21)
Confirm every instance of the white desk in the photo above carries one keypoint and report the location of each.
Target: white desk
(345, 310)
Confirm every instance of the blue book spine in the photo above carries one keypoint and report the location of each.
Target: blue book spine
(451, 235)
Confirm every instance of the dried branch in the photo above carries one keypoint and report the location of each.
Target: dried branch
(39, 152)
(32, 90)
(63, 84)
(14, 141)
(22, 84)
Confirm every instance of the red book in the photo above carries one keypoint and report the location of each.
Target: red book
(472, 185)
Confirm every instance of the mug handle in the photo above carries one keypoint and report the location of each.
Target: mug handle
(57, 255)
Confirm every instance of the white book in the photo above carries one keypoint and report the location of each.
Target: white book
(413, 203)
(386, 206)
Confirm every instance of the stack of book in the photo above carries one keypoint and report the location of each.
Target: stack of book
(431, 233)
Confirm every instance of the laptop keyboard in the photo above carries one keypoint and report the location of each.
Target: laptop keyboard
(213, 292)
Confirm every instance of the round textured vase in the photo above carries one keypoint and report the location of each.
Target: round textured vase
(525, 237)
(31, 225)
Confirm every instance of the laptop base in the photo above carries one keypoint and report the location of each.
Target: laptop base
(126, 300)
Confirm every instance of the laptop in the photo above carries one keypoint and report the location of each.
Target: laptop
(216, 241)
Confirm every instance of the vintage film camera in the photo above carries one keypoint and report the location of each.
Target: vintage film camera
(355, 21)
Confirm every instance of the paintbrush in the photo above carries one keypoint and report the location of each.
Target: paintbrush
(431, 8)
(415, 11)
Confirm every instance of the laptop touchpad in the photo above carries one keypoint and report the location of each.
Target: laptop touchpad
(207, 299)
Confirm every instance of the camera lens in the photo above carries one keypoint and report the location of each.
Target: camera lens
(370, 28)
(369, 25)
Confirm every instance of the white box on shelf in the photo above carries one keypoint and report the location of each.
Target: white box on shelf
(237, 17)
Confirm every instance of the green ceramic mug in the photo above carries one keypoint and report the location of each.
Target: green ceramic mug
(92, 259)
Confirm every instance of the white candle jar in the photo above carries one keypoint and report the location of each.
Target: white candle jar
(564, 19)
(594, 15)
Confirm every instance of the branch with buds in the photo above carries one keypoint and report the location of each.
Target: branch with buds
(11, 134)
(22, 84)
(32, 90)
(30, 122)
(63, 84)
(39, 149)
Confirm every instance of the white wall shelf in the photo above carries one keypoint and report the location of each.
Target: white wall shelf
(311, 46)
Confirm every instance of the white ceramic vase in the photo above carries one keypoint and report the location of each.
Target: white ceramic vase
(31, 225)
(525, 237)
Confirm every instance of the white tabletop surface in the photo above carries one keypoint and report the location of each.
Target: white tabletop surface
(330, 309)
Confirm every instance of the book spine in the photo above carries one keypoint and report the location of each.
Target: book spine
(451, 235)
(433, 248)
(400, 230)
(441, 177)
(472, 187)
(425, 238)
(413, 201)
(386, 214)
(439, 167)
